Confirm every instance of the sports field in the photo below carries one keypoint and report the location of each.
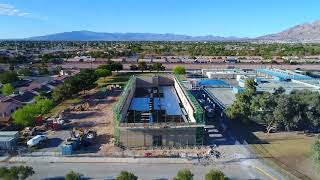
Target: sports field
(290, 150)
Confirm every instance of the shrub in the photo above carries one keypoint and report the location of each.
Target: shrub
(16, 172)
(8, 77)
(125, 175)
(179, 70)
(184, 174)
(7, 89)
(26, 116)
(73, 176)
(215, 175)
(103, 72)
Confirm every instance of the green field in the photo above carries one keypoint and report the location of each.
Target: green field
(290, 151)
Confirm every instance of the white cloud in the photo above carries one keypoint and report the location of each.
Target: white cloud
(9, 10)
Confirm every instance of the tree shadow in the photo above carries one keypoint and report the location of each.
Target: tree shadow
(82, 115)
(244, 132)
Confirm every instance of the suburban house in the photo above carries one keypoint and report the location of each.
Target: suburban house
(26, 97)
(8, 106)
(37, 88)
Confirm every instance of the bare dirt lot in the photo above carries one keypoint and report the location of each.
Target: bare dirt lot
(291, 150)
(99, 117)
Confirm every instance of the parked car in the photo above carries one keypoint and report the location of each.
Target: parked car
(36, 140)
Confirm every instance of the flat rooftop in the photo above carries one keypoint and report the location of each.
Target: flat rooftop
(315, 83)
(271, 85)
(224, 96)
(284, 74)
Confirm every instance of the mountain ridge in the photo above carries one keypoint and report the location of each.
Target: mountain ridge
(85, 35)
(307, 32)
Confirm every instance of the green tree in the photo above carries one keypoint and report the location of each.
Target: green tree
(142, 66)
(215, 175)
(251, 86)
(158, 66)
(103, 72)
(73, 176)
(62, 92)
(7, 89)
(25, 116)
(58, 69)
(133, 67)
(241, 108)
(262, 108)
(125, 175)
(25, 72)
(184, 174)
(16, 172)
(44, 105)
(111, 66)
(287, 113)
(83, 81)
(179, 70)
(117, 66)
(43, 70)
(8, 77)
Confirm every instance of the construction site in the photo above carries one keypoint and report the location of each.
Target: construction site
(157, 111)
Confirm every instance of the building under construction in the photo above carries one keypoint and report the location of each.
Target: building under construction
(158, 111)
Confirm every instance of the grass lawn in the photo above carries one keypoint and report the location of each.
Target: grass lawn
(291, 151)
(121, 78)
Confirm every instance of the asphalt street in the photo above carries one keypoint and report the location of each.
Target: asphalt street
(47, 170)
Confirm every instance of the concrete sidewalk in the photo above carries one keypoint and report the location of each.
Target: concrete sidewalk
(52, 159)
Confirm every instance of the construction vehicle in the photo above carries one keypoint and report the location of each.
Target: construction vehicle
(86, 138)
(89, 138)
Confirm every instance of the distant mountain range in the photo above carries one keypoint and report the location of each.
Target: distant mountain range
(100, 36)
(309, 32)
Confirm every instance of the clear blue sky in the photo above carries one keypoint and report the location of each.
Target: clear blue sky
(244, 18)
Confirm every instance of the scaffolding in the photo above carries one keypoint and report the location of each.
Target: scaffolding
(170, 134)
(119, 106)
(198, 111)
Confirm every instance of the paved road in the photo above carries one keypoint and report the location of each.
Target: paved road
(46, 170)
